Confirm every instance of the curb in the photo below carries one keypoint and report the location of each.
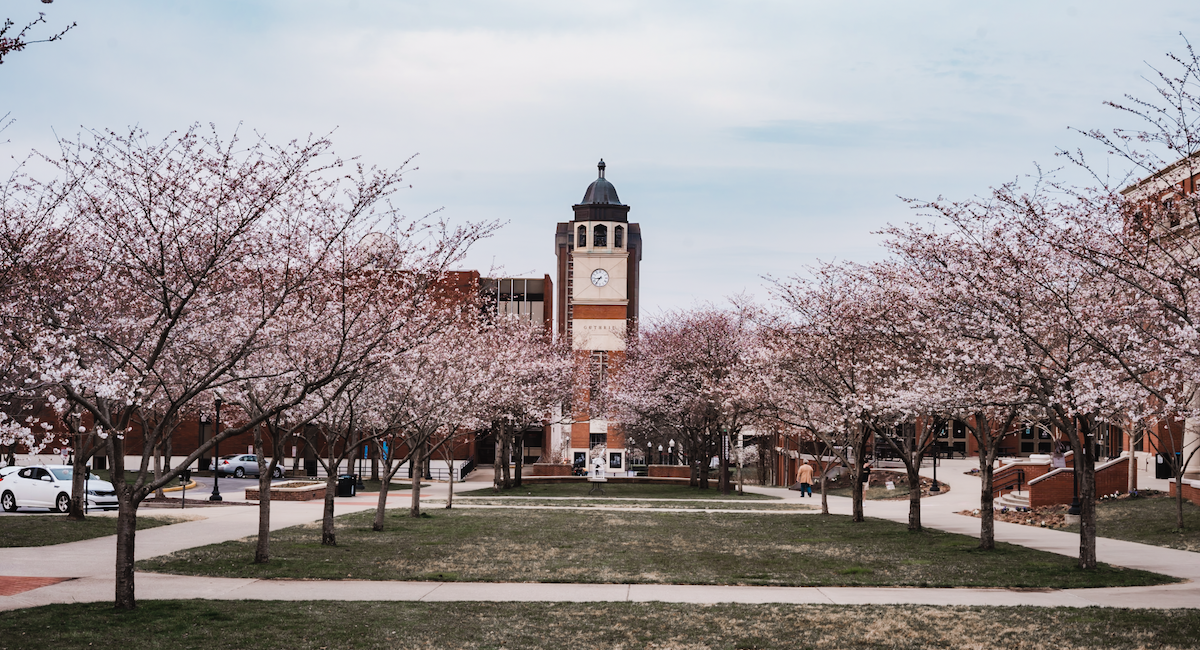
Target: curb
(191, 486)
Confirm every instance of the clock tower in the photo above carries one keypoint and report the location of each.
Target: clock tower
(599, 253)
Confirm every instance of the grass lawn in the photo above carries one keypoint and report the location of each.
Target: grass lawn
(500, 545)
(600, 501)
(44, 530)
(396, 486)
(1149, 520)
(615, 491)
(317, 625)
(870, 494)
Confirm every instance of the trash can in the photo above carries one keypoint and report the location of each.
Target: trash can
(345, 485)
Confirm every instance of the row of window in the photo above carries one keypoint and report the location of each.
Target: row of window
(600, 237)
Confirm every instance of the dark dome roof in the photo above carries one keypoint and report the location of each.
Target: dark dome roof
(601, 191)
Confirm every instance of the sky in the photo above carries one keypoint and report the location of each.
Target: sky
(751, 139)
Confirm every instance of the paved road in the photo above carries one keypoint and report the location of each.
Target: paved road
(85, 568)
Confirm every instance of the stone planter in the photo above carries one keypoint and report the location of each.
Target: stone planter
(291, 491)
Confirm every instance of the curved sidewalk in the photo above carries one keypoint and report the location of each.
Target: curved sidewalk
(87, 566)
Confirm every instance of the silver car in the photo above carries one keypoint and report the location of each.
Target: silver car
(49, 486)
(242, 464)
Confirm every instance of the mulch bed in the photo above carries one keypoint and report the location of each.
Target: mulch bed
(1041, 516)
(1049, 516)
(879, 479)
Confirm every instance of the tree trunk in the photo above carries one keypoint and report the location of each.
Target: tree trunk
(1179, 468)
(987, 518)
(824, 496)
(704, 467)
(1131, 475)
(328, 538)
(385, 484)
(418, 465)
(914, 492)
(519, 456)
(506, 457)
(1086, 472)
(126, 526)
(856, 492)
(375, 466)
(84, 450)
(381, 505)
(450, 493)
(739, 469)
(262, 550)
(158, 494)
(126, 531)
(78, 490)
(723, 453)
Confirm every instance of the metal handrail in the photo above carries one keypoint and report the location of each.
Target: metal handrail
(467, 468)
(1017, 484)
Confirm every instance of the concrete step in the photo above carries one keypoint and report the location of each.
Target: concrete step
(1012, 500)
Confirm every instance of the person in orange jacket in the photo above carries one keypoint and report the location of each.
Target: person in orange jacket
(804, 477)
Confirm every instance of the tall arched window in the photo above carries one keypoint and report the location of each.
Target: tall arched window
(582, 243)
(600, 236)
(619, 237)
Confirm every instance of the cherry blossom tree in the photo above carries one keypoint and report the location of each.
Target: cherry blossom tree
(36, 253)
(423, 398)
(11, 41)
(1139, 227)
(970, 376)
(1040, 306)
(530, 378)
(189, 253)
(824, 377)
(691, 374)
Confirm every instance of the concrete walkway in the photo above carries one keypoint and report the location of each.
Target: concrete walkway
(87, 566)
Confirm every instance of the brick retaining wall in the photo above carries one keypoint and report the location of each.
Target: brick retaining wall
(546, 469)
(670, 471)
(1059, 488)
(1191, 490)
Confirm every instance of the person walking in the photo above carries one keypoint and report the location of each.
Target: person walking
(804, 475)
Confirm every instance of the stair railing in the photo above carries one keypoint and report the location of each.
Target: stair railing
(1016, 483)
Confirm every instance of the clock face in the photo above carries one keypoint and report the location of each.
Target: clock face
(599, 277)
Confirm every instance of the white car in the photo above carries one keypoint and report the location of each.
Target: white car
(49, 486)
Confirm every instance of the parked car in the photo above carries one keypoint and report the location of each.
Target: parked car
(49, 486)
(242, 464)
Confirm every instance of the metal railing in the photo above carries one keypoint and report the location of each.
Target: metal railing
(466, 469)
(1010, 485)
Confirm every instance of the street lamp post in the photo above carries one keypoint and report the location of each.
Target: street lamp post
(671, 453)
(216, 493)
(201, 430)
(935, 488)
